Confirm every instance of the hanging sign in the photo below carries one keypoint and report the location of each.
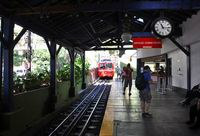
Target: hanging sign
(147, 42)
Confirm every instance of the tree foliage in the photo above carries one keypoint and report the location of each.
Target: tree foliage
(41, 61)
(18, 59)
(40, 74)
(63, 73)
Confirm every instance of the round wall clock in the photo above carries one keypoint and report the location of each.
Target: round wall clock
(162, 27)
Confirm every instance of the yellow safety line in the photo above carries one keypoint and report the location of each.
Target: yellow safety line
(107, 125)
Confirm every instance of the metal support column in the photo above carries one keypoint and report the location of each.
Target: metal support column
(83, 71)
(8, 31)
(179, 46)
(166, 69)
(188, 69)
(1, 58)
(72, 76)
(52, 92)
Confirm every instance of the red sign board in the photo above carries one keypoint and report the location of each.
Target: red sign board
(147, 43)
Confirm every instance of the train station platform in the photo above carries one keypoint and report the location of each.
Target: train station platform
(123, 114)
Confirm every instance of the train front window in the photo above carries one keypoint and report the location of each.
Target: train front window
(109, 65)
(102, 66)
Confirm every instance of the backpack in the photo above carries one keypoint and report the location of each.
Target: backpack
(140, 82)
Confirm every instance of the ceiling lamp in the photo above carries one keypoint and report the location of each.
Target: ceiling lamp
(126, 37)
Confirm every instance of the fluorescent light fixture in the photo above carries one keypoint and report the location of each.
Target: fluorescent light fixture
(128, 46)
(106, 40)
(92, 47)
(126, 36)
(110, 47)
(140, 20)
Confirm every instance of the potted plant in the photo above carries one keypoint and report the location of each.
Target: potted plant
(18, 84)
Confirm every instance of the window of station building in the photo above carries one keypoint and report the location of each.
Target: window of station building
(151, 65)
(155, 66)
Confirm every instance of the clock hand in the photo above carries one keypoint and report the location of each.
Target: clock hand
(167, 27)
(161, 25)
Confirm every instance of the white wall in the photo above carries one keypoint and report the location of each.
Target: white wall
(195, 64)
(142, 53)
(179, 59)
(168, 46)
(191, 36)
(179, 69)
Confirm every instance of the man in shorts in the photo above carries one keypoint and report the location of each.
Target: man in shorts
(145, 94)
(128, 78)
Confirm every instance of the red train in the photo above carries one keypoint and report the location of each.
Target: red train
(106, 69)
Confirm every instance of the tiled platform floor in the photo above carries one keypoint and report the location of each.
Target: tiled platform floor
(123, 115)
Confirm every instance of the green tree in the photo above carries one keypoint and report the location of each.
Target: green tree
(78, 69)
(18, 59)
(41, 60)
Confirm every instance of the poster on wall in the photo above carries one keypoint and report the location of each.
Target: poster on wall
(147, 42)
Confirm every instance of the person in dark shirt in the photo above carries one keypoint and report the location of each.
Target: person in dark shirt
(162, 75)
(128, 78)
(161, 72)
(145, 95)
(123, 74)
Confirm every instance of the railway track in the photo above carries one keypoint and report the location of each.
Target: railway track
(84, 117)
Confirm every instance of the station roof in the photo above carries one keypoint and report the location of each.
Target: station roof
(94, 24)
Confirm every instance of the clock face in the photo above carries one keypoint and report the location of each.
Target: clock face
(163, 27)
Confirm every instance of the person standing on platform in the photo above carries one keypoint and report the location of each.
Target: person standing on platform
(123, 74)
(128, 78)
(162, 76)
(145, 94)
(118, 71)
